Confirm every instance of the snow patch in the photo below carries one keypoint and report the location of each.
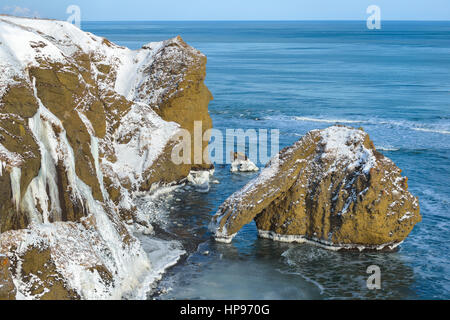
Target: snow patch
(345, 145)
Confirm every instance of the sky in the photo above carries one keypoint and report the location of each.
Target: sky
(112, 10)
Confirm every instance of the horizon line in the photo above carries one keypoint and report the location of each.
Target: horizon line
(264, 20)
(230, 20)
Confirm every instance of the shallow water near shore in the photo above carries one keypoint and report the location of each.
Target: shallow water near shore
(295, 77)
(254, 268)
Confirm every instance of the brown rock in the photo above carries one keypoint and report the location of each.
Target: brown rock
(7, 288)
(331, 187)
(180, 71)
(52, 170)
(46, 283)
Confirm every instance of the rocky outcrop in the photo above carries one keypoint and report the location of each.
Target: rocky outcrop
(84, 125)
(332, 188)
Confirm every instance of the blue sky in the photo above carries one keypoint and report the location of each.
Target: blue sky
(231, 9)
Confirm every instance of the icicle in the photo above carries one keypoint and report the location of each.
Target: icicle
(36, 193)
(130, 263)
(16, 174)
(95, 155)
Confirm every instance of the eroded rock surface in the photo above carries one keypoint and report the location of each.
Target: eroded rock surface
(7, 288)
(84, 125)
(331, 187)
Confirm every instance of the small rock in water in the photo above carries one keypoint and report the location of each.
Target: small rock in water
(241, 163)
(200, 180)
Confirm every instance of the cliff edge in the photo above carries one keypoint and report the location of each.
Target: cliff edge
(84, 126)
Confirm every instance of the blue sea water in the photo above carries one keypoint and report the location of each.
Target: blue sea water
(298, 76)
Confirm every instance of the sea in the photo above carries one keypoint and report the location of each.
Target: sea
(295, 76)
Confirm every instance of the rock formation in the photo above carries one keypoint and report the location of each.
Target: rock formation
(241, 163)
(332, 188)
(84, 125)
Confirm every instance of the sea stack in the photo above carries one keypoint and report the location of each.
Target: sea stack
(331, 188)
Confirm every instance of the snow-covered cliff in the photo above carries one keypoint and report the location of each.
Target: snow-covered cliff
(85, 125)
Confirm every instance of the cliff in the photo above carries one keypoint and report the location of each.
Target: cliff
(84, 126)
(332, 188)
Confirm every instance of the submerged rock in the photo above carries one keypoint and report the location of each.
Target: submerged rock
(331, 187)
(84, 126)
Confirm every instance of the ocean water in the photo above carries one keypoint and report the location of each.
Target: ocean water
(298, 76)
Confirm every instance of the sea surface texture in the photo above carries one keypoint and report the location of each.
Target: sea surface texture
(295, 77)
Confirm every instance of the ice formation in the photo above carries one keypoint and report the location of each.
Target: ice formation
(96, 255)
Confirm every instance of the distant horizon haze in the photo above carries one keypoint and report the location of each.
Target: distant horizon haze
(232, 10)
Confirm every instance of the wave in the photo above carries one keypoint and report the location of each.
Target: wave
(328, 120)
(403, 124)
(308, 279)
(431, 130)
(386, 148)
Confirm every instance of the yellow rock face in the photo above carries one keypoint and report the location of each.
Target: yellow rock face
(331, 187)
(74, 149)
(70, 91)
(7, 288)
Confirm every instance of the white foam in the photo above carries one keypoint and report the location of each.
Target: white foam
(307, 119)
(386, 148)
(431, 130)
(411, 125)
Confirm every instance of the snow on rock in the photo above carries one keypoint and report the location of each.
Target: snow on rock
(74, 158)
(243, 166)
(8, 158)
(341, 144)
(241, 163)
(332, 188)
(200, 179)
